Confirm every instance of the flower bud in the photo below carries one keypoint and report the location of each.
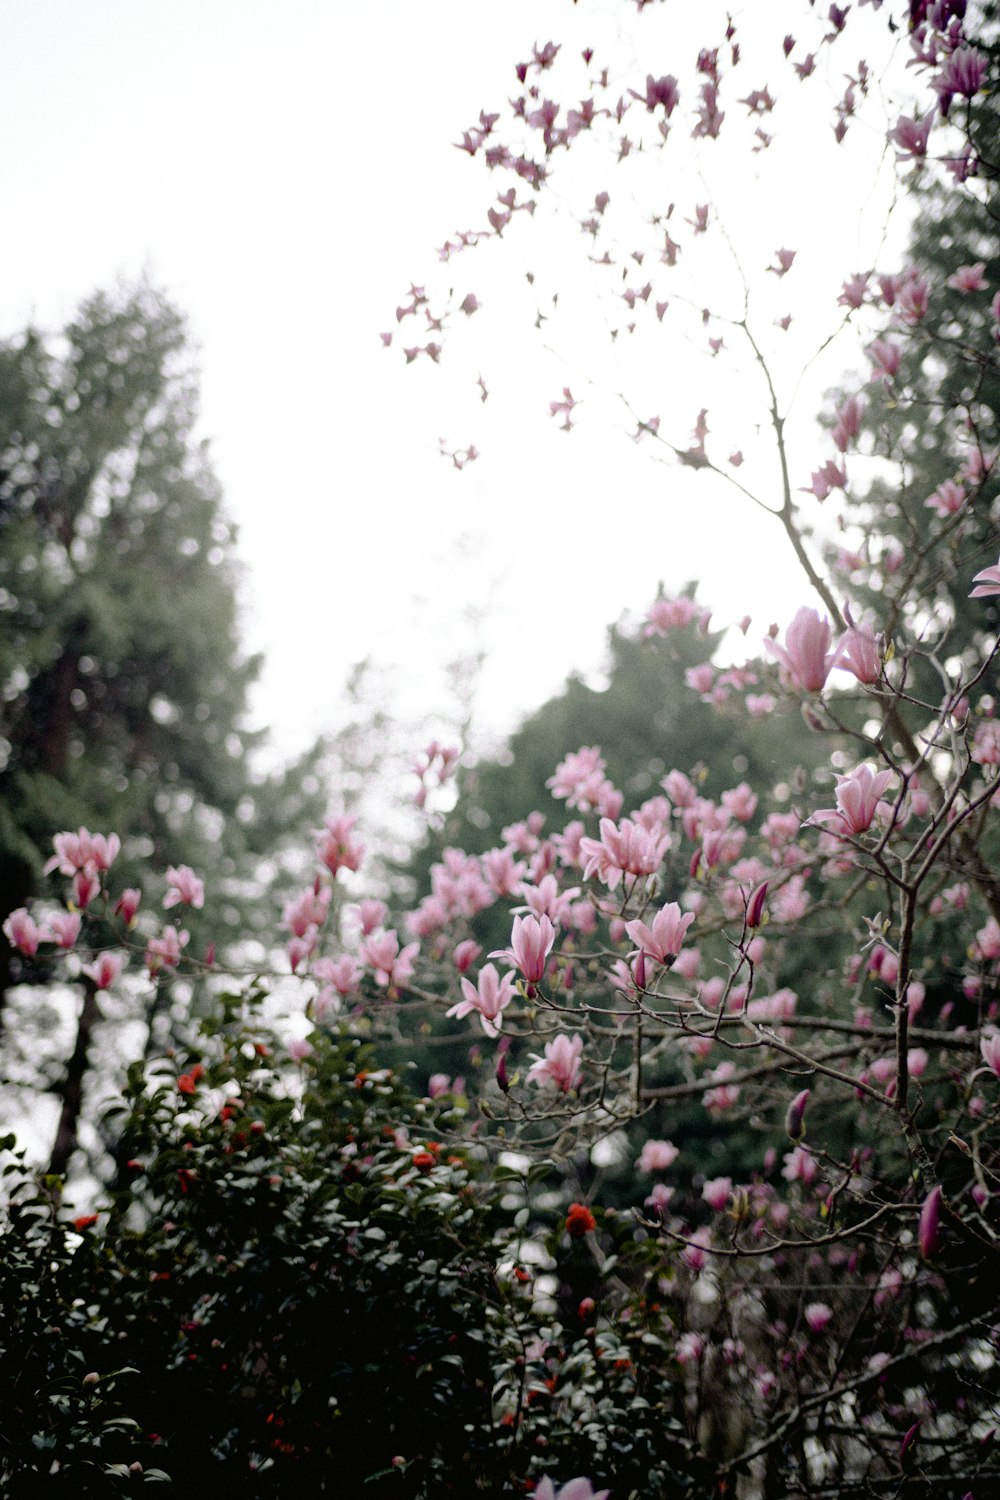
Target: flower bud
(795, 1116)
(755, 905)
(930, 1223)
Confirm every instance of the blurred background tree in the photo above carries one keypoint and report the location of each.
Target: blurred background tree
(124, 701)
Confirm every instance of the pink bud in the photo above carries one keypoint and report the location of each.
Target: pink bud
(911, 1435)
(755, 905)
(930, 1224)
(795, 1116)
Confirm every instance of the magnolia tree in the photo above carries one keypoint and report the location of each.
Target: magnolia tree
(814, 961)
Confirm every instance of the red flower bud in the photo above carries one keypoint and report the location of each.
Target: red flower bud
(755, 905)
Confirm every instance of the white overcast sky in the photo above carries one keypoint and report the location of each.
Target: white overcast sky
(283, 168)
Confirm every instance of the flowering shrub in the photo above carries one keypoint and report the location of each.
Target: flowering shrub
(765, 1019)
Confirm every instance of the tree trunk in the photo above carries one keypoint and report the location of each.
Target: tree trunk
(71, 1088)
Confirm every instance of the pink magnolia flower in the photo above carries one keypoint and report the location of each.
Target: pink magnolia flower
(669, 614)
(988, 940)
(489, 998)
(831, 476)
(573, 1489)
(914, 300)
(370, 913)
(724, 1095)
(929, 1229)
(336, 846)
(859, 652)
(716, 1192)
(559, 1064)
(343, 973)
(63, 927)
(307, 910)
(989, 1046)
(164, 952)
(105, 969)
(963, 73)
(986, 743)
(127, 905)
(800, 1166)
(690, 1348)
(848, 422)
(969, 278)
(503, 871)
(886, 357)
(665, 938)
(392, 965)
(184, 887)
(465, 954)
(987, 583)
(806, 656)
(741, 801)
(817, 1316)
(531, 943)
(910, 135)
(852, 293)
(83, 851)
(659, 91)
(22, 932)
(759, 705)
(947, 499)
(657, 1156)
(858, 801)
(623, 849)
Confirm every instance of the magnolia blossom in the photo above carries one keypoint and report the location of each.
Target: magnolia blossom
(860, 653)
(531, 943)
(573, 1489)
(336, 846)
(63, 927)
(665, 938)
(307, 910)
(560, 1063)
(817, 1316)
(83, 851)
(987, 583)
(990, 1049)
(164, 952)
(806, 656)
(343, 973)
(886, 358)
(716, 1192)
(969, 278)
(22, 932)
(489, 998)
(858, 801)
(986, 743)
(105, 969)
(184, 886)
(947, 499)
(963, 73)
(623, 849)
(393, 966)
(657, 1156)
(128, 904)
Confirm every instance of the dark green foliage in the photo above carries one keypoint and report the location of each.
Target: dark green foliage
(124, 686)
